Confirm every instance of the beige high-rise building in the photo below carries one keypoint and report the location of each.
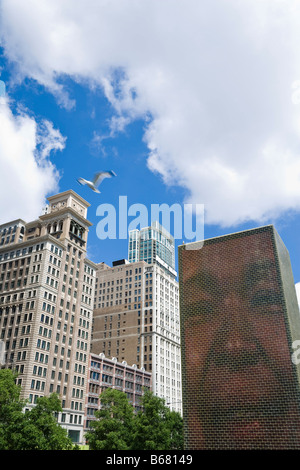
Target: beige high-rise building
(136, 319)
(46, 305)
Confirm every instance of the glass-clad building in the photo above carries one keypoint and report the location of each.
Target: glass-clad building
(154, 245)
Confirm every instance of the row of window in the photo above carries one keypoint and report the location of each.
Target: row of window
(21, 252)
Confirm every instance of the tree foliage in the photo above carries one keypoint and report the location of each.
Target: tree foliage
(36, 429)
(114, 425)
(117, 427)
(157, 427)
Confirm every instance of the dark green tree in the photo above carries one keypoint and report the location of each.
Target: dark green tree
(42, 429)
(11, 415)
(175, 425)
(114, 426)
(36, 429)
(117, 427)
(156, 427)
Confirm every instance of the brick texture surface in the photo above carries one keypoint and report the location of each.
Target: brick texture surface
(239, 318)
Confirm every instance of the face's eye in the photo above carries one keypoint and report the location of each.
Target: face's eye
(266, 300)
(202, 311)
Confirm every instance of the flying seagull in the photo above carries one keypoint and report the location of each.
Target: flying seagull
(98, 178)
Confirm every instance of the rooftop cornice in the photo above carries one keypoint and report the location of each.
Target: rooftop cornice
(68, 193)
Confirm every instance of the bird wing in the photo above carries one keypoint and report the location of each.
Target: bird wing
(81, 181)
(99, 177)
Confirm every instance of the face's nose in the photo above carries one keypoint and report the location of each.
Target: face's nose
(236, 324)
(236, 344)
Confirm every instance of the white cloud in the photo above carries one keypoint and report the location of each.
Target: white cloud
(219, 79)
(27, 174)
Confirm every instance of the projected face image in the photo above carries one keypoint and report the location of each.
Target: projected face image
(241, 388)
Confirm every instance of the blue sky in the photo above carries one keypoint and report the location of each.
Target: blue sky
(188, 102)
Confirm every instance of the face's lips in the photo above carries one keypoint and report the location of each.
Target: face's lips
(240, 424)
(250, 385)
(269, 424)
(244, 413)
(241, 414)
(246, 371)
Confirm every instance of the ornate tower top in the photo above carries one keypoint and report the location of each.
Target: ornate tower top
(68, 199)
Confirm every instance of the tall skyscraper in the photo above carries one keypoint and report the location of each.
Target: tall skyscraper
(154, 245)
(46, 303)
(136, 311)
